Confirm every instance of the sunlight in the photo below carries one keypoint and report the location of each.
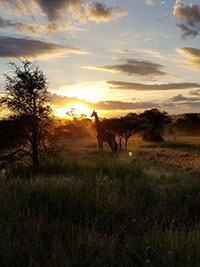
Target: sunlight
(78, 109)
(89, 91)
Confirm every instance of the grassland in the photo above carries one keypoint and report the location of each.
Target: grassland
(82, 209)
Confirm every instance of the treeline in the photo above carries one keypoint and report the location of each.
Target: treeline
(151, 125)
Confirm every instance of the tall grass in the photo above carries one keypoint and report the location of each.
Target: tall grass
(103, 213)
(176, 145)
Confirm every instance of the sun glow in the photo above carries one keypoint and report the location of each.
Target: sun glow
(89, 91)
(78, 109)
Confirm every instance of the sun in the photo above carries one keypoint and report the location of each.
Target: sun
(78, 109)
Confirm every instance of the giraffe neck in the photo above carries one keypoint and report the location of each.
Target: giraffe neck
(96, 120)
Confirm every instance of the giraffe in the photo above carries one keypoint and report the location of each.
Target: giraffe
(103, 135)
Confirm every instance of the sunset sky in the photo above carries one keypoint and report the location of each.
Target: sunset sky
(114, 56)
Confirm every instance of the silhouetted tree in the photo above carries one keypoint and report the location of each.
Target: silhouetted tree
(190, 123)
(123, 127)
(113, 126)
(131, 124)
(153, 124)
(78, 127)
(73, 129)
(26, 98)
(74, 116)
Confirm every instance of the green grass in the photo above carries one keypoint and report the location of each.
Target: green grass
(103, 213)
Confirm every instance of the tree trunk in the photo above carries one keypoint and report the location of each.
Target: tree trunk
(120, 143)
(126, 142)
(35, 153)
(35, 137)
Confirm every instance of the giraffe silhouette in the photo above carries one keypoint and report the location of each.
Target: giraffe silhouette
(103, 135)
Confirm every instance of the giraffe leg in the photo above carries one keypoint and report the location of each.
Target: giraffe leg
(113, 146)
(100, 144)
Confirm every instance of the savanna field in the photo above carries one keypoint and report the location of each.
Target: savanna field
(85, 209)
(99, 133)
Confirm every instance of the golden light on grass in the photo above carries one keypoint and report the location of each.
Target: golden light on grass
(79, 109)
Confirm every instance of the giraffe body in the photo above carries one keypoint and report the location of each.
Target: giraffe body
(103, 135)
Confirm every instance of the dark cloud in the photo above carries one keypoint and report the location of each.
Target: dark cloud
(5, 23)
(189, 16)
(194, 92)
(52, 9)
(187, 31)
(100, 12)
(181, 98)
(193, 54)
(61, 13)
(147, 87)
(55, 10)
(31, 29)
(188, 105)
(119, 105)
(20, 47)
(133, 67)
(177, 102)
(63, 101)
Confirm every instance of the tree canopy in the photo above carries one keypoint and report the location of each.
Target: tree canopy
(27, 99)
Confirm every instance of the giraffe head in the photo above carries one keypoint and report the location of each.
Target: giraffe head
(94, 114)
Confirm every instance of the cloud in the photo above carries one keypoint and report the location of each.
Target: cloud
(119, 105)
(100, 12)
(121, 51)
(153, 52)
(61, 14)
(189, 16)
(19, 6)
(187, 31)
(20, 47)
(133, 67)
(32, 29)
(63, 101)
(173, 103)
(150, 3)
(194, 92)
(151, 87)
(56, 10)
(193, 54)
(187, 105)
(181, 98)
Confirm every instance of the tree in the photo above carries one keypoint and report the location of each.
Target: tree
(153, 124)
(190, 123)
(131, 125)
(123, 127)
(27, 99)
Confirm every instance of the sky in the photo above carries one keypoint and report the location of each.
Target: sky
(114, 56)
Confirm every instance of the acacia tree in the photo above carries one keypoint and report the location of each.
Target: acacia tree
(153, 124)
(131, 126)
(190, 123)
(27, 99)
(123, 127)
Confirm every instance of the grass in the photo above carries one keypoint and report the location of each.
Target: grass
(175, 145)
(98, 213)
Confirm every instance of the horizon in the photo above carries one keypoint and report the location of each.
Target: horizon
(113, 56)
